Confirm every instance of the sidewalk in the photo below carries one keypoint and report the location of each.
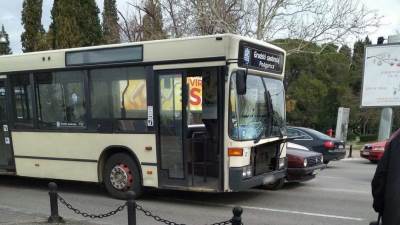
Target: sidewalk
(10, 216)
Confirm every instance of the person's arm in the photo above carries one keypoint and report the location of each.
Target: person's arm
(379, 181)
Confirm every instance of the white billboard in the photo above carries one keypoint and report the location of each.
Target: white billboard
(381, 81)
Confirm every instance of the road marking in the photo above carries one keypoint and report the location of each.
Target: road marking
(332, 177)
(340, 190)
(271, 210)
(354, 159)
(301, 213)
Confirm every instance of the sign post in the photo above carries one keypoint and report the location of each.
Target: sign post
(342, 124)
(381, 82)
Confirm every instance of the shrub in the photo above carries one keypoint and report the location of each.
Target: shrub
(368, 138)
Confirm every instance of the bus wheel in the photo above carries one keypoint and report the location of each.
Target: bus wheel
(121, 174)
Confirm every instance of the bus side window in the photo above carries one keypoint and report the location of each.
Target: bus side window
(22, 98)
(61, 99)
(119, 96)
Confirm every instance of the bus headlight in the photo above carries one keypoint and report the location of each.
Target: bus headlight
(305, 162)
(282, 163)
(247, 172)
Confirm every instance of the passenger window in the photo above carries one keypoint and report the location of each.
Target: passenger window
(303, 135)
(121, 94)
(61, 99)
(22, 96)
(291, 133)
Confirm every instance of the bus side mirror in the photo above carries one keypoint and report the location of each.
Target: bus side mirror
(241, 78)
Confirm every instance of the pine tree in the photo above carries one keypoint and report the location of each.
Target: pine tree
(153, 21)
(110, 22)
(4, 47)
(346, 51)
(75, 23)
(90, 26)
(356, 66)
(367, 41)
(34, 33)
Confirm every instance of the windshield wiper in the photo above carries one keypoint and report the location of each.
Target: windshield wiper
(270, 111)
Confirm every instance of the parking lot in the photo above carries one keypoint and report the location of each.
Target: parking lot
(339, 195)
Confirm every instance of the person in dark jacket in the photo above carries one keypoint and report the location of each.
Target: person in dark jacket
(386, 183)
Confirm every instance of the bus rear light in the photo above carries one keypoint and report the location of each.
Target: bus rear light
(235, 152)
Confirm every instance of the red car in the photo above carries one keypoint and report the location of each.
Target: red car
(302, 165)
(373, 151)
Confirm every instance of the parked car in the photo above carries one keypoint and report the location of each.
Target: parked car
(331, 148)
(302, 165)
(373, 151)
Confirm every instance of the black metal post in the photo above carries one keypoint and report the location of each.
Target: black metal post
(237, 215)
(351, 152)
(131, 207)
(54, 217)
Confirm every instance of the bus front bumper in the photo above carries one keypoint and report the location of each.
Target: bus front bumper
(238, 183)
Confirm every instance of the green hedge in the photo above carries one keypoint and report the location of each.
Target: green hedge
(368, 138)
(352, 136)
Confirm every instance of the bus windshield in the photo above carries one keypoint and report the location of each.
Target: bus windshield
(260, 112)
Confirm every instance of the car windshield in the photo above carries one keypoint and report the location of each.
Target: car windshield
(260, 111)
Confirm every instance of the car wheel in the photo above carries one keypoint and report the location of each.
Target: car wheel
(276, 185)
(121, 174)
(326, 162)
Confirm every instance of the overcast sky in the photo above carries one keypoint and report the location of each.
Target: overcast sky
(10, 16)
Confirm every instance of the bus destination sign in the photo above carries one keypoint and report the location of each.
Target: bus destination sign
(259, 58)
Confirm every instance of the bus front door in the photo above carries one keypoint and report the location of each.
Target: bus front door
(188, 129)
(171, 130)
(6, 153)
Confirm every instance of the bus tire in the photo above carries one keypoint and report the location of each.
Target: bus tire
(121, 174)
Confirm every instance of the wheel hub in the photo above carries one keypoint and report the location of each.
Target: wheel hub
(121, 177)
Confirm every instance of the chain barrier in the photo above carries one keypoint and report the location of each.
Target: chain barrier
(131, 206)
(168, 222)
(121, 208)
(88, 215)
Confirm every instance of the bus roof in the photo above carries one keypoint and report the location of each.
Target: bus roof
(221, 46)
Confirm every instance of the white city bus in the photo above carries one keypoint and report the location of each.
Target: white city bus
(202, 114)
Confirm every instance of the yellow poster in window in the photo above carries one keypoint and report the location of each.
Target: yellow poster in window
(135, 97)
(171, 93)
(195, 93)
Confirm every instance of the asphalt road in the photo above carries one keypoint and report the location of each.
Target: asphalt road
(340, 195)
